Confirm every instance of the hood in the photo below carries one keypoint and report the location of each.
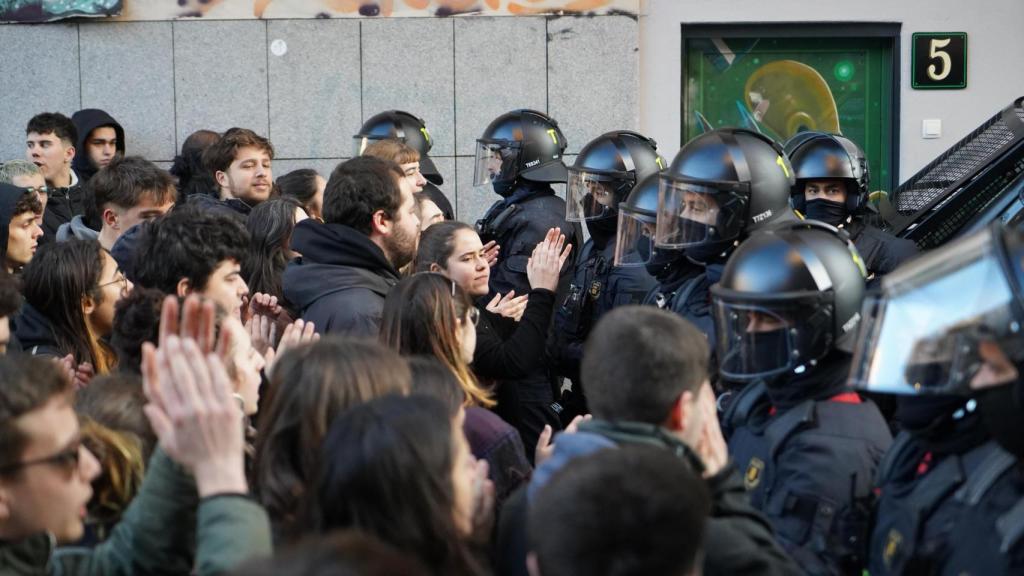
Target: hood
(334, 258)
(9, 196)
(85, 122)
(76, 229)
(124, 248)
(33, 330)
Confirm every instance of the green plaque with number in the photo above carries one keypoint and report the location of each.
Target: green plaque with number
(939, 60)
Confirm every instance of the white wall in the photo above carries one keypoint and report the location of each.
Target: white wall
(995, 51)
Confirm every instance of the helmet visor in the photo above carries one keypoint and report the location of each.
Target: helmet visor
(589, 196)
(495, 162)
(760, 340)
(939, 322)
(634, 240)
(695, 214)
(361, 141)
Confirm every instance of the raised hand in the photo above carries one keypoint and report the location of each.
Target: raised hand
(546, 262)
(491, 250)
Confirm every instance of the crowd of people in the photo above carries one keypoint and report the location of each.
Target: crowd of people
(721, 364)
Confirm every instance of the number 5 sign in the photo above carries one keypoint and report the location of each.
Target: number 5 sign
(939, 60)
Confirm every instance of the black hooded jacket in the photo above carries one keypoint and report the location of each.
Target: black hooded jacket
(85, 122)
(35, 334)
(340, 281)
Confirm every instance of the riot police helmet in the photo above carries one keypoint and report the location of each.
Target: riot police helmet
(606, 171)
(722, 186)
(822, 157)
(788, 296)
(521, 144)
(404, 127)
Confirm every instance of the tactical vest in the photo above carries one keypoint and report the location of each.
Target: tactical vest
(691, 302)
(810, 469)
(916, 513)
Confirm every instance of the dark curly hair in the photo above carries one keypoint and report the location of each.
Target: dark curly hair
(188, 168)
(358, 188)
(187, 243)
(10, 294)
(136, 320)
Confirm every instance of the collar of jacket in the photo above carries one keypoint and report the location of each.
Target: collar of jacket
(28, 556)
(641, 433)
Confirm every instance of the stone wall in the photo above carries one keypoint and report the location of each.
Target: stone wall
(163, 80)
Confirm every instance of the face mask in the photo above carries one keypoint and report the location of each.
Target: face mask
(917, 413)
(827, 211)
(762, 352)
(503, 187)
(603, 228)
(1002, 414)
(655, 260)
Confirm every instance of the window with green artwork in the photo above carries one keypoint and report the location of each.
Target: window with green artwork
(785, 79)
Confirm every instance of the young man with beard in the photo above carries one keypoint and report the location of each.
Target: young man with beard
(240, 163)
(351, 260)
(50, 144)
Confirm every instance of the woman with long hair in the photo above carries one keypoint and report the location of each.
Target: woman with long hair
(71, 289)
(270, 227)
(306, 186)
(512, 333)
(429, 314)
(399, 468)
(310, 385)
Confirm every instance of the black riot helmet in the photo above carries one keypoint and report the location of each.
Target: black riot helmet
(638, 217)
(823, 156)
(522, 144)
(938, 320)
(787, 297)
(404, 127)
(605, 172)
(722, 186)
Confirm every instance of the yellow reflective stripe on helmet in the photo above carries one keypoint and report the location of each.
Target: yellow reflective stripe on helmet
(554, 136)
(782, 164)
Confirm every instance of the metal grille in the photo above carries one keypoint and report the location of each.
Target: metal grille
(964, 158)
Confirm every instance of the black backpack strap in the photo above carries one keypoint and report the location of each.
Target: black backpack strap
(903, 447)
(741, 406)
(991, 468)
(782, 427)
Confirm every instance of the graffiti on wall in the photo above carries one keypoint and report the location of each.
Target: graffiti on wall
(49, 10)
(243, 9)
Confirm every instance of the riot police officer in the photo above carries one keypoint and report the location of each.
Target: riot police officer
(405, 127)
(722, 186)
(786, 308)
(832, 179)
(605, 171)
(519, 156)
(950, 324)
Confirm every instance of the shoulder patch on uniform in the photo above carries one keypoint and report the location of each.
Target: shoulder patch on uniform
(754, 471)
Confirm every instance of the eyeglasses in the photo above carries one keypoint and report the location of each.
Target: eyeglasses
(120, 279)
(66, 459)
(39, 190)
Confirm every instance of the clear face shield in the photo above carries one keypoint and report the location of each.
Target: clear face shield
(359, 144)
(941, 322)
(589, 196)
(634, 241)
(495, 162)
(696, 213)
(764, 339)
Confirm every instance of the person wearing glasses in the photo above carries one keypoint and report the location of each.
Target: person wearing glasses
(128, 191)
(70, 290)
(191, 515)
(25, 174)
(20, 212)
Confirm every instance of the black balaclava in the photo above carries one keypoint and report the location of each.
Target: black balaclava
(1001, 410)
(827, 211)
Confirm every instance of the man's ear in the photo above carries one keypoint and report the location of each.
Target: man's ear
(434, 267)
(381, 223)
(532, 565)
(184, 288)
(69, 153)
(110, 218)
(681, 412)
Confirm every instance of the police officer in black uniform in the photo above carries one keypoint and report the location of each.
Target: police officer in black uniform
(722, 186)
(405, 127)
(787, 306)
(832, 179)
(604, 173)
(519, 155)
(950, 323)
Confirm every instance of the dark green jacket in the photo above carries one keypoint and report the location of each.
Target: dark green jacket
(158, 534)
